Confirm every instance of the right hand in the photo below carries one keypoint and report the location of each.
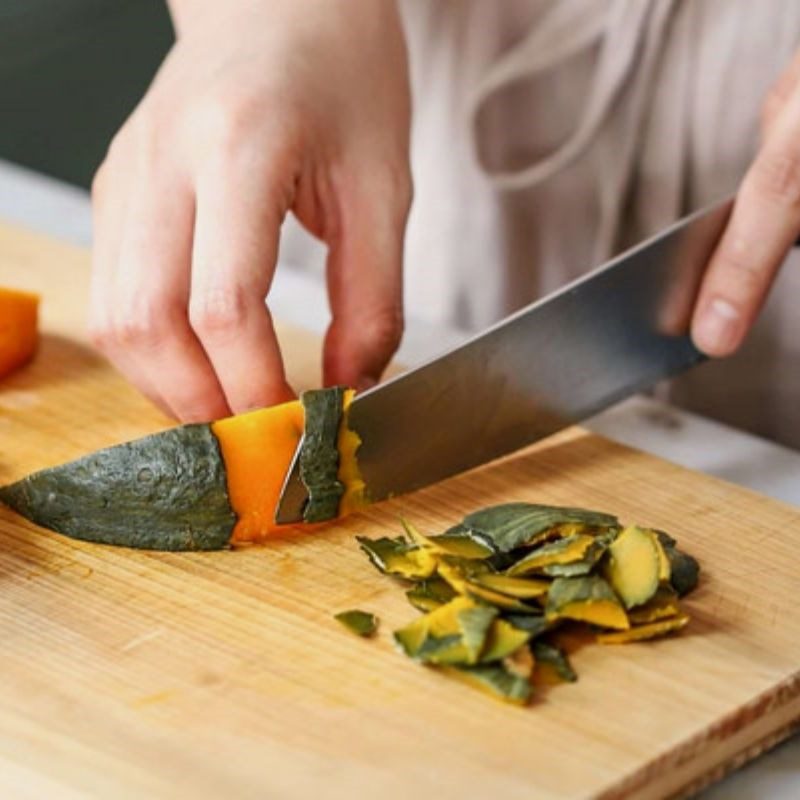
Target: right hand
(260, 108)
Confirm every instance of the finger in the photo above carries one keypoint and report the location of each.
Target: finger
(151, 298)
(109, 208)
(779, 93)
(763, 226)
(365, 284)
(239, 213)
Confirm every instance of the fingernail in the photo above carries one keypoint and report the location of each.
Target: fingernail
(718, 328)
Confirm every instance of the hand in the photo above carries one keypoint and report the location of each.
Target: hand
(260, 108)
(763, 227)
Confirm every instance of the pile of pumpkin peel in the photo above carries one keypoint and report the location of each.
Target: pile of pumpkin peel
(497, 590)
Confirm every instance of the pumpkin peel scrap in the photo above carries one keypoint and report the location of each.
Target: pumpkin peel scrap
(489, 595)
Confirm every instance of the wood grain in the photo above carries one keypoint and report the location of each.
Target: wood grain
(131, 674)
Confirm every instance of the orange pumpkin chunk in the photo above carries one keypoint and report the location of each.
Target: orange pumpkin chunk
(18, 328)
(258, 448)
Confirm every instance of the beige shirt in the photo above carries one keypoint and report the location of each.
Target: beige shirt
(549, 135)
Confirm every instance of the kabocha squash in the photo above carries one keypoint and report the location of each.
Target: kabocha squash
(361, 623)
(578, 552)
(642, 632)
(506, 527)
(586, 599)
(492, 594)
(194, 487)
(663, 604)
(683, 568)
(524, 589)
(494, 679)
(355, 490)
(551, 665)
(635, 566)
(257, 449)
(18, 328)
(319, 458)
(398, 557)
(430, 594)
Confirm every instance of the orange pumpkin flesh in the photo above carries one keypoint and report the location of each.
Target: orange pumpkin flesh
(258, 448)
(18, 328)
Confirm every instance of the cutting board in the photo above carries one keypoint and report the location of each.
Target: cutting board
(134, 674)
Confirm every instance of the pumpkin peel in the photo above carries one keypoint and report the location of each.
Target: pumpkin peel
(496, 585)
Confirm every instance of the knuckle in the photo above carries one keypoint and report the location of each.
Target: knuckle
(394, 182)
(145, 324)
(742, 268)
(225, 119)
(776, 175)
(383, 329)
(218, 313)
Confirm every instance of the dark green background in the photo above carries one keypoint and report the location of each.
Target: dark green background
(70, 72)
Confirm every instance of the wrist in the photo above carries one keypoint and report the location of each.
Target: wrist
(188, 14)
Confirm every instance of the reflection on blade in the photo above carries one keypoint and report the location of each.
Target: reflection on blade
(604, 337)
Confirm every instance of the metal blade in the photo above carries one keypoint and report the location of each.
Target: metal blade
(610, 334)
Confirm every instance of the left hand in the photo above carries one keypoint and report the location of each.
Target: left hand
(764, 225)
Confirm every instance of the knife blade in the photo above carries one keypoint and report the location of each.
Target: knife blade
(612, 333)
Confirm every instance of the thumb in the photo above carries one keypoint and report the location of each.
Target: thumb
(365, 284)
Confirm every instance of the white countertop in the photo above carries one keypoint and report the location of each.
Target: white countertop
(59, 210)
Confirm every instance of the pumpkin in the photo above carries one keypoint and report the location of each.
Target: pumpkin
(361, 623)
(18, 329)
(521, 663)
(490, 601)
(502, 641)
(501, 600)
(586, 599)
(558, 553)
(641, 632)
(426, 595)
(505, 527)
(496, 680)
(454, 543)
(399, 558)
(552, 665)
(194, 487)
(454, 633)
(522, 588)
(663, 604)
(319, 456)
(684, 570)
(635, 566)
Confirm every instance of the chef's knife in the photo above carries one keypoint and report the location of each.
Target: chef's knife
(608, 335)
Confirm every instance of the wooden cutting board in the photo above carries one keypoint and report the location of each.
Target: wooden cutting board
(132, 674)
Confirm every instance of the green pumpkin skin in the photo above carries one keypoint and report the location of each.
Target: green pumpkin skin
(319, 453)
(162, 492)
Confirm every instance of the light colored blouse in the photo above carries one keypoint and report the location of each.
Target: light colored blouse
(549, 135)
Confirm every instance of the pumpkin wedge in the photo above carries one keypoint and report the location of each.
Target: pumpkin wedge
(18, 328)
(194, 487)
